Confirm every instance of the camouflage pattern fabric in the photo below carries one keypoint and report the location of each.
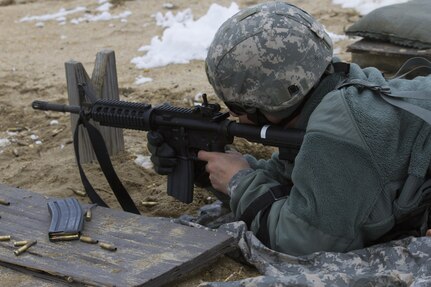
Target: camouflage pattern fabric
(268, 57)
(404, 262)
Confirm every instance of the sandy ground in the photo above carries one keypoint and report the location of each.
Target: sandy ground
(32, 67)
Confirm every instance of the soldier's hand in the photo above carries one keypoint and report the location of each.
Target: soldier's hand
(221, 167)
(428, 232)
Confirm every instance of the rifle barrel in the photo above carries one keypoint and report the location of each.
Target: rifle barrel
(46, 106)
(267, 135)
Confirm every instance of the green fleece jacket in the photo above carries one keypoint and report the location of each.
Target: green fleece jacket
(349, 176)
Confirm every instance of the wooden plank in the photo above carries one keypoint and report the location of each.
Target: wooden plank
(151, 251)
(385, 56)
(11, 275)
(75, 74)
(105, 84)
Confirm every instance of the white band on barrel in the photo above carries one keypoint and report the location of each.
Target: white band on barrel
(263, 131)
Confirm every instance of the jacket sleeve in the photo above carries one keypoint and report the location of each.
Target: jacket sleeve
(330, 198)
(279, 170)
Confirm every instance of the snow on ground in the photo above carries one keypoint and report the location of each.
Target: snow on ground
(184, 39)
(100, 13)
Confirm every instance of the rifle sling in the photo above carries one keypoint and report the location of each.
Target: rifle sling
(263, 204)
(105, 163)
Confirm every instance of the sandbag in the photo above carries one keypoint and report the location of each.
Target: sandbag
(407, 24)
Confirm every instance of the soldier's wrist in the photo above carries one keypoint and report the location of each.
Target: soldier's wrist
(236, 180)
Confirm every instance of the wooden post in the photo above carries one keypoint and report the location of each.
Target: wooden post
(104, 82)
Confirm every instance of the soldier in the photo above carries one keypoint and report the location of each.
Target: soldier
(364, 163)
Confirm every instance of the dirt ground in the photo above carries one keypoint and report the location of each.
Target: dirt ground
(32, 67)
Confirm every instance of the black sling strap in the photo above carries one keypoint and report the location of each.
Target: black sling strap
(92, 194)
(341, 67)
(263, 203)
(99, 148)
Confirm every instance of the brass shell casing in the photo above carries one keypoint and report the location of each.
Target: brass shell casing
(5, 238)
(107, 246)
(88, 239)
(24, 248)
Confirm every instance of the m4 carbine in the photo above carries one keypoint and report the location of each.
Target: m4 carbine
(186, 130)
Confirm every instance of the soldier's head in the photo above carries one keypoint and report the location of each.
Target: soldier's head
(266, 58)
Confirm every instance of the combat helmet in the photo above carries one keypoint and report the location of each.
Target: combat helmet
(268, 57)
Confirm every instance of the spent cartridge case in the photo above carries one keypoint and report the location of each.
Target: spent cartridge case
(64, 237)
(78, 192)
(149, 203)
(88, 239)
(5, 237)
(20, 243)
(108, 246)
(88, 215)
(24, 248)
(69, 279)
(4, 202)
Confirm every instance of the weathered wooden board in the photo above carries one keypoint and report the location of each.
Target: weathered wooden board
(19, 277)
(151, 251)
(105, 85)
(383, 55)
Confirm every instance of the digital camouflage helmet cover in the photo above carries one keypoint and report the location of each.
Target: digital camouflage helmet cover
(268, 57)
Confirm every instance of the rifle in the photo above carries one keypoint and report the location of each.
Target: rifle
(186, 130)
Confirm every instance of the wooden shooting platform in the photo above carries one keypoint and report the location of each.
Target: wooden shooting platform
(150, 251)
(385, 56)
